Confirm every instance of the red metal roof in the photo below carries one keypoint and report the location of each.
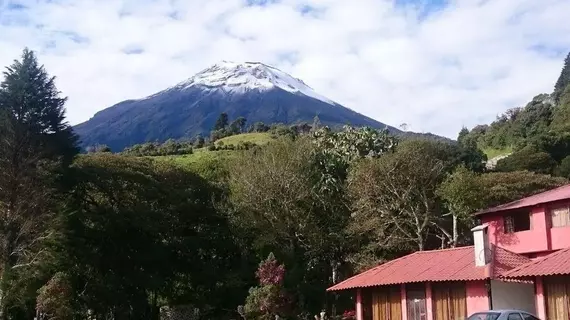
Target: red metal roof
(560, 193)
(456, 264)
(557, 263)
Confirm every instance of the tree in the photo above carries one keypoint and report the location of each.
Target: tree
(563, 80)
(269, 299)
(199, 141)
(259, 127)
(275, 192)
(394, 198)
(36, 147)
(316, 123)
(462, 134)
(238, 125)
(98, 148)
(561, 117)
(461, 193)
(563, 169)
(335, 151)
(164, 241)
(529, 158)
(502, 187)
(221, 122)
(55, 299)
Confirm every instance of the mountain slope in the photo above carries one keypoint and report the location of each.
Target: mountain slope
(253, 90)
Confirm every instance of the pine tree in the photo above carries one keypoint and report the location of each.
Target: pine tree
(563, 80)
(36, 146)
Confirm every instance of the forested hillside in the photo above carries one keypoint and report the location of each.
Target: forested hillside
(251, 231)
(537, 135)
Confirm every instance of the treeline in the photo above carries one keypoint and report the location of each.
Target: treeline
(538, 135)
(169, 147)
(221, 130)
(259, 234)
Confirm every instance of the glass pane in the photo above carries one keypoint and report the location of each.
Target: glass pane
(527, 316)
(514, 316)
(560, 217)
(416, 302)
(485, 316)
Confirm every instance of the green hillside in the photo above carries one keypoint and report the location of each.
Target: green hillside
(258, 138)
(209, 163)
(537, 136)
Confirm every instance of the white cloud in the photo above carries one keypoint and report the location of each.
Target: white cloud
(461, 64)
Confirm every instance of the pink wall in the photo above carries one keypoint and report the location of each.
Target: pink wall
(429, 304)
(541, 237)
(533, 240)
(560, 237)
(359, 315)
(404, 302)
(476, 292)
(477, 298)
(540, 300)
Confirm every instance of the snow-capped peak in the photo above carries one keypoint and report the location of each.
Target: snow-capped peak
(242, 77)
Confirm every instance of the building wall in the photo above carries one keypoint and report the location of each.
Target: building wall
(477, 298)
(513, 295)
(540, 239)
(560, 237)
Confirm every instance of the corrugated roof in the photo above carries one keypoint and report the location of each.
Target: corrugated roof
(505, 260)
(560, 193)
(456, 264)
(556, 263)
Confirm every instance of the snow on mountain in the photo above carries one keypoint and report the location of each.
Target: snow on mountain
(240, 77)
(253, 90)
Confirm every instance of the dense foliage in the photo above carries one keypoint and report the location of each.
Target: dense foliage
(537, 135)
(120, 236)
(170, 147)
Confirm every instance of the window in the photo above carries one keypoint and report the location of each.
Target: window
(416, 302)
(514, 316)
(518, 221)
(560, 217)
(385, 304)
(449, 300)
(557, 293)
(527, 316)
(485, 316)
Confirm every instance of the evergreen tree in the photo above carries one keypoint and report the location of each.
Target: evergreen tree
(222, 121)
(563, 80)
(462, 134)
(36, 146)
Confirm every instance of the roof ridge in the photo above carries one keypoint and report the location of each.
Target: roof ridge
(446, 249)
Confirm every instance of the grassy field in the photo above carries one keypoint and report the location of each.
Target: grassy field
(492, 153)
(211, 164)
(199, 156)
(204, 155)
(255, 137)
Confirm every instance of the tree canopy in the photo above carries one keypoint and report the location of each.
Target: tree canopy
(162, 227)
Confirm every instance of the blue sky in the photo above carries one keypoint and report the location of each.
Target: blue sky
(434, 65)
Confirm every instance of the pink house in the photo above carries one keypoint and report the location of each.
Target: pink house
(520, 260)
